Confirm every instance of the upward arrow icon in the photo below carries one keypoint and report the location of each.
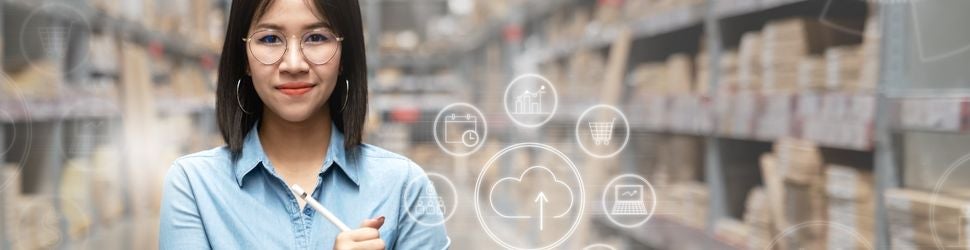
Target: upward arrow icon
(541, 200)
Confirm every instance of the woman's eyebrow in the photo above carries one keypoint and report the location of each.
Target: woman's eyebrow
(273, 26)
(263, 25)
(321, 24)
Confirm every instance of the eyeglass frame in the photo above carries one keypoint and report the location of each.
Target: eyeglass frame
(286, 46)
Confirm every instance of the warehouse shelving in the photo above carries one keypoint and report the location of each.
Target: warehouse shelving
(924, 133)
(86, 112)
(649, 26)
(731, 18)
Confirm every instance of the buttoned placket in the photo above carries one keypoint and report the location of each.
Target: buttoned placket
(301, 224)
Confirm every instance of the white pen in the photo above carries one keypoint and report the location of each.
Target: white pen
(317, 206)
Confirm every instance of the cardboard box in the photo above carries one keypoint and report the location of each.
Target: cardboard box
(799, 160)
(693, 198)
(733, 231)
(757, 216)
(679, 71)
(37, 223)
(910, 221)
(749, 66)
(848, 183)
(9, 197)
(106, 193)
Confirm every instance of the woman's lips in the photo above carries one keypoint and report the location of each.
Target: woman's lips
(295, 88)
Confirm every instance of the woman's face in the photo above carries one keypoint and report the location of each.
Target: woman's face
(292, 88)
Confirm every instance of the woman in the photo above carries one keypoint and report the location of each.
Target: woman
(291, 101)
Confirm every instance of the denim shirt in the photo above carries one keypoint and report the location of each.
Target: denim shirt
(210, 201)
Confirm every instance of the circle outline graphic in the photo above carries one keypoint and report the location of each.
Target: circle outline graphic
(481, 140)
(653, 206)
(16, 98)
(454, 194)
(599, 245)
(935, 195)
(626, 138)
(569, 163)
(86, 26)
(798, 226)
(555, 105)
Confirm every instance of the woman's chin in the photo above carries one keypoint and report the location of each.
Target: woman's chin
(296, 114)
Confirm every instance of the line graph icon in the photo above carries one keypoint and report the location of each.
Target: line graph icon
(529, 102)
(629, 200)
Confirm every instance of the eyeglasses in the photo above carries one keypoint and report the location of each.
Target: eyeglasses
(318, 46)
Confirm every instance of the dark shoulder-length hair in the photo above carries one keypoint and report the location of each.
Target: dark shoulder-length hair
(345, 18)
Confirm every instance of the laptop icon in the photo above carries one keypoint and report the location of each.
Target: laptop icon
(629, 200)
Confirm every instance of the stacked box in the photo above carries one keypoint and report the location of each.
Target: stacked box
(702, 80)
(850, 205)
(919, 219)
(678, 160)
(843, 67)
(106, 193)
(805, 203)
(776, 118)
(37, 223)
(650, 96)
(729, 72)
(757, 216)
(732, 231)
(784, 43)
(693, 200)
(811, 73)
(678, 78)
(796, 187)
(9, 196)
(870, 54)
(75, 197)
(749, 66)
(799, 160)
(39, 80)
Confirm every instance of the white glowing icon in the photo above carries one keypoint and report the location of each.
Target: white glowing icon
(467, 124)
(602, 132)
(430, 204)
(530, 103)
(629, 200)
(54, 40)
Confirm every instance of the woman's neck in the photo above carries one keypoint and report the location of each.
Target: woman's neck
(296, 146)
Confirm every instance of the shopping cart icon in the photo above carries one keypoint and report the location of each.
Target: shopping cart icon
(602, 132)
(54, 40)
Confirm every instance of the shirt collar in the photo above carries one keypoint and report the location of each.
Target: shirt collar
(253, 155)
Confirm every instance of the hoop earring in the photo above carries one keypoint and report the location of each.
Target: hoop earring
(237, 98)
(346, 94)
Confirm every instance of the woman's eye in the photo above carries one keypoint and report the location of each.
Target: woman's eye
(317, 38)
(270, 39)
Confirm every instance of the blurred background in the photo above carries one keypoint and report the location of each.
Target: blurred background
(759, 124)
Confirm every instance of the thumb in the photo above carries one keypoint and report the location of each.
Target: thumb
(375, 223)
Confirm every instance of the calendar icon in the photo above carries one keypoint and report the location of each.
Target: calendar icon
(461, 129)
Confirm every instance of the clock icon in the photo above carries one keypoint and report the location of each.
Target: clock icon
(469, 138)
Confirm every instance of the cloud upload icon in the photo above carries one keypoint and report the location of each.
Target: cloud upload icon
(557, 193)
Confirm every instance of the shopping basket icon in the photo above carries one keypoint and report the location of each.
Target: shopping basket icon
(602, 131)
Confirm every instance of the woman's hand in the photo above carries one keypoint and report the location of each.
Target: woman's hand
(364, 238)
